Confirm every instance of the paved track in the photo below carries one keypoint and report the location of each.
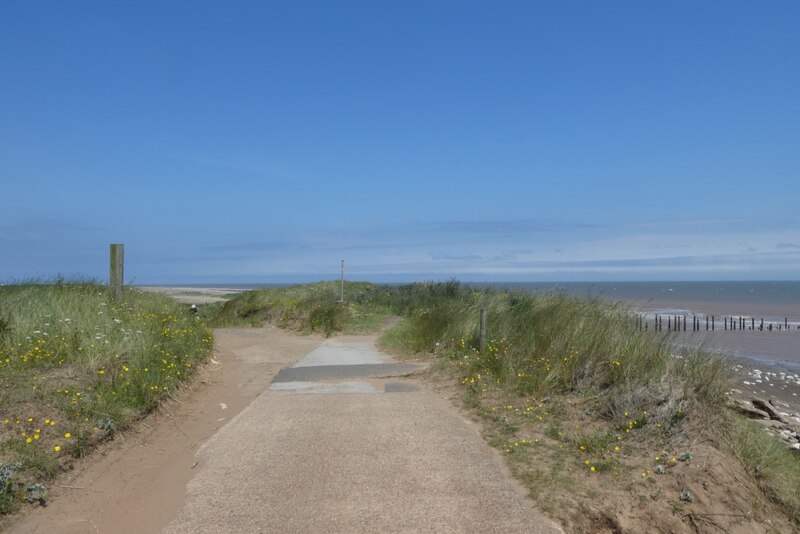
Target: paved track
(351, 453)
(331, 445)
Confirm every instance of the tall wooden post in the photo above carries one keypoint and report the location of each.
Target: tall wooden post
(117, 267)
(482, 337)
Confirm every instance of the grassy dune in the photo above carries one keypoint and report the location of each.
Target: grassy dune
(588, 410)
(599, 420)
(75, 367)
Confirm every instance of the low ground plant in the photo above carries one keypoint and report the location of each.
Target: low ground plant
(76, 366)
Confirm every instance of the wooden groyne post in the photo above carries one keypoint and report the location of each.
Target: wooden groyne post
(116, 270)
(678, 323)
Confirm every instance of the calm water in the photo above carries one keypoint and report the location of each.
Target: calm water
(780, 295)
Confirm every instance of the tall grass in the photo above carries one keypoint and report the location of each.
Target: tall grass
(76, 366)
(537, 343)
(555, 343)
(309, 308)
(775, 469)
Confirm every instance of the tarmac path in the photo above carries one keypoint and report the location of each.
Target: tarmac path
(339, 438)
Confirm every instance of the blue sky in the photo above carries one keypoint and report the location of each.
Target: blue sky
(264, 142)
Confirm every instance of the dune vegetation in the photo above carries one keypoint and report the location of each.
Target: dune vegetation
(600, 420)
(76, 367)
(603, 423)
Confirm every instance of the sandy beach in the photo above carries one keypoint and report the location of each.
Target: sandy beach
(194, 295)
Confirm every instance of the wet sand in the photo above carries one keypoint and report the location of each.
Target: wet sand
(776, 348)
(766, 363)
(757, 309)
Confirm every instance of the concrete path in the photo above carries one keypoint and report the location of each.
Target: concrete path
(341, 442)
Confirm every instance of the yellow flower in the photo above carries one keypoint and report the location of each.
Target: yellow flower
(28, 440)
(57, 448)
(67, 435)
(593, 469)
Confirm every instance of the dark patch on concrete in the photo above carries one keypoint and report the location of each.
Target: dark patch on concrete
(400, 387)
(321, 372)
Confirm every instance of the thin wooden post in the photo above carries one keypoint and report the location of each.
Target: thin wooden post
(482, 338)
(341, 278)
(752, 323)
(712, 323)
(117, 268)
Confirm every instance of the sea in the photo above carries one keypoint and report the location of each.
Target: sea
(773, 299)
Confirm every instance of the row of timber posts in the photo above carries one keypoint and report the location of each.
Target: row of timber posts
(679, 323)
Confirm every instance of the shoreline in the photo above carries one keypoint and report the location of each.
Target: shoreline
(766, 364)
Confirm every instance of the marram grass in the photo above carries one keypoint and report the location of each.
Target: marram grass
(540, 346)
(75, 367)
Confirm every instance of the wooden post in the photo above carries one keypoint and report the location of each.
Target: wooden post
(117, 268)
(712, 323)
(482, 338)
(341, 278)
